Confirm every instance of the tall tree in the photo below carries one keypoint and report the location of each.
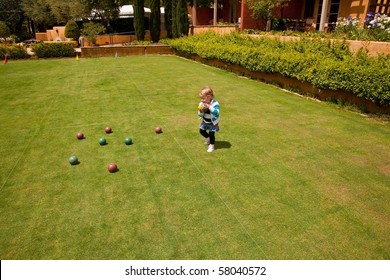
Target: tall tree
(168, 17)
(104, 10)
(39, 12)
(12, 14)
(264, 9)
(70, 9)
(61, 11)
(155, 20)
(139, 19)
(180, 24)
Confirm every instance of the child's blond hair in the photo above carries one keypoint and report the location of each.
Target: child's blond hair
(206, 91)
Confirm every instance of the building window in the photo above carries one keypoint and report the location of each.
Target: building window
(380, 6)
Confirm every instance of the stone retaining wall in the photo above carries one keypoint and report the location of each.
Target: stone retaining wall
(125, 51)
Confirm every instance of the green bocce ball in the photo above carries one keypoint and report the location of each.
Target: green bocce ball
(102, 141)
(128, 141)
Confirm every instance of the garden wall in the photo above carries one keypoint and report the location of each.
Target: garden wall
(41, 36)
(57, 34)
(373, 48)
(111, 39)
(125, 50)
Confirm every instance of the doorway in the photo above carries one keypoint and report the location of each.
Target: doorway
(333, 11)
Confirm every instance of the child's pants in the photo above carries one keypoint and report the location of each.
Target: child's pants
(210, 134)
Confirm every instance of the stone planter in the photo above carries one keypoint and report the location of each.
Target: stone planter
(125, 50)
(158, 49)
(373, 48)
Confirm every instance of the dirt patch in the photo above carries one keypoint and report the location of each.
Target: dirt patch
(384, 169)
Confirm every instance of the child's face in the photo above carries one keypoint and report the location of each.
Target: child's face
(206, 99)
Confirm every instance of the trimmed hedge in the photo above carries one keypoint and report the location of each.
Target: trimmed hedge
(325, 64)
(13, 52)
(55, 49)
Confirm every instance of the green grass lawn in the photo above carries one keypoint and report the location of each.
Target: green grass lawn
(291, 178)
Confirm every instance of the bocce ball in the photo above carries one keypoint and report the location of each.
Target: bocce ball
(73, 160)
(112, 167)
(158, 129)
(128, 141)
(80, 135)
(108, 129)
(102, 141)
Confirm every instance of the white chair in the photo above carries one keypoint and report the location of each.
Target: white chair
(309, 25)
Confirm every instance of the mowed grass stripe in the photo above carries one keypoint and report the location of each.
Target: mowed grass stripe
(41, 105)
(304, 179)
(172, 133)
(199, 174)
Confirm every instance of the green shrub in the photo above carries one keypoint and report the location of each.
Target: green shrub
(60, 49)
(91, 30)
(72, 30)
(325, 64)
(13, 52)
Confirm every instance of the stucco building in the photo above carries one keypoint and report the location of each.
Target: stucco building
(319, 14)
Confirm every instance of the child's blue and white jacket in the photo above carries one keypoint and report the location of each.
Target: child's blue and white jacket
(211, 115)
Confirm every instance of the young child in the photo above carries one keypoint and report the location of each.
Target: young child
(208, 111)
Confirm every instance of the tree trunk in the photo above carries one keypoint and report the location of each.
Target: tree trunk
(168, 17)
(139, 20)
(155, 20)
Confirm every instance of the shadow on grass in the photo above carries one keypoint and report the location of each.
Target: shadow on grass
(223, 144)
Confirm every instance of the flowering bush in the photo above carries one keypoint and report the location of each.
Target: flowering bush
(347, 22)
(378, 25)
(348, 28)
(376, 28)
(10, 39)
(378, 21)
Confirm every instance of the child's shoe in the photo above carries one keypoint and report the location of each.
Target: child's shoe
(211, 148)
(207, 142)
